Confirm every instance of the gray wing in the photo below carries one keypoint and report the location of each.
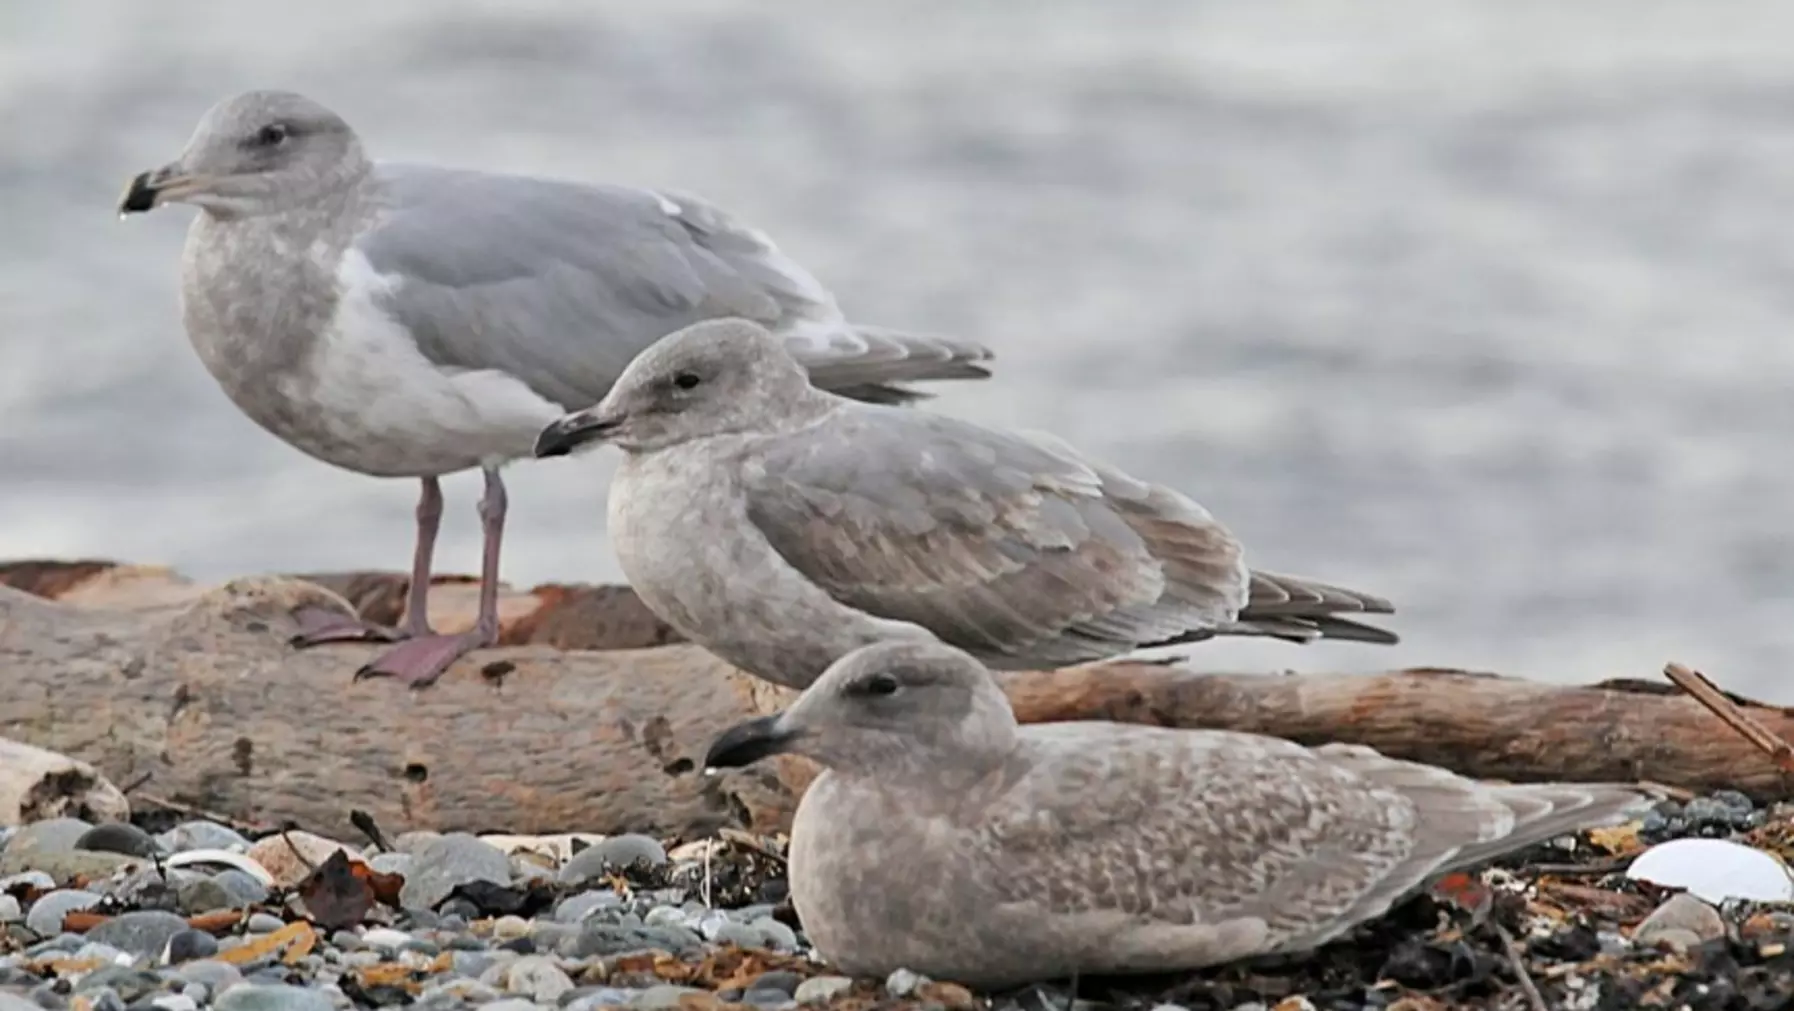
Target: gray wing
(1195, 828)
(560, 284)
(1010, 547)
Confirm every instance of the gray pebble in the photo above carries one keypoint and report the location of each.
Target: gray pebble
(767, 999)
(712, 923)
(821, 988)
(593, 998)
(346, 940)
(202, 835)
(619, 851)
(738, 934)
(575, 908)
(243, 887)
(61, 943)
(13, 1002)
(189, 945)
(665, 995)
(666, 916)
(10, 909)
(27, 879)
(145, 932)
(265, 923)
(276, 997)
(412, 842)
(45, 915)
(455, 859)
(472, 964)
(784, 982)
(103, 999)
(538, 978)
(903, 982)
(774, 934)
(460, 909)
(118, 837)
(102, 952)
(203, 896)
(128, 983)
(391, 863)
(52, 835)
(511, 1004)
(1682, 922)
(608, 939)
(175, 1002)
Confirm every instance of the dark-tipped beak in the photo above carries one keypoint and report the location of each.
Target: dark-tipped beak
(574, 430)
(147, 189)
(747, 743)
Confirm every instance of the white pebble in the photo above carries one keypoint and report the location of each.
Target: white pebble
(1715, 870)
(385, 937)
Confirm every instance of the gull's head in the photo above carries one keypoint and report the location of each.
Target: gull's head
(712, 378)
(903, 704)
(254, 153)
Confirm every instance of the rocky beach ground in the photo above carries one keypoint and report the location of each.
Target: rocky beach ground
(178, 914)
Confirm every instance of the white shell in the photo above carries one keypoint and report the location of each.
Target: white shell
(225, 857)
(1715, 870)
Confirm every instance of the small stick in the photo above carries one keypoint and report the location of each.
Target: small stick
(1708, 694)
(1518, 961)
(193, 811)
(368, 827)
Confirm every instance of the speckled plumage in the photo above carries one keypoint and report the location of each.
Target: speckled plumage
(781, 526)
(946, 839)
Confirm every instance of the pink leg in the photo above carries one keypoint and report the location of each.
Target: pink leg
(419, 661)
(320, 625)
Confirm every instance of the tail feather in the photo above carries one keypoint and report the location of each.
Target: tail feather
(890, 358)
(1299, 610)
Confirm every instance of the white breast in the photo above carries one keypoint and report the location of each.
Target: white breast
(383, 408)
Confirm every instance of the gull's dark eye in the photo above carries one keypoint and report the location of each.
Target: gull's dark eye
(879, 685)
(270, 135)
(686, 380)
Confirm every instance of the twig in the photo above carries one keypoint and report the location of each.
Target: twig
(708, 849)
(193, 811)
(1590, 870)
(365, 823)
(1518, 962)
(1708, 694)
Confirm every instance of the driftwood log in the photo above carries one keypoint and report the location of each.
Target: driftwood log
(594, 718)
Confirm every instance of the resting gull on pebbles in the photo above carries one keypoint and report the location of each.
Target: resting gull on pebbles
(782, 526)
(414, 321)
(945, 839)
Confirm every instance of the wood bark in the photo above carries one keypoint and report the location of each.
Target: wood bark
(36, 784)
(597, 719)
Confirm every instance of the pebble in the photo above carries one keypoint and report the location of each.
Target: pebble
(143, 932)
(243, 887)
(118, 837)
(413, 842)
(45, 916)
(903, 982)
(391, 863)
(511, 1004)
(1682, 922)
(507, 928)
(597, 938)
(821, 988)
(774, 934)
(385, 937)
(10, 909)
(575, 908)
(175, 1002)
(619, 851)
(214, 975)
(767, 998)
(28, 879)
(290, 856)
(127, 982)
(52, 835)
(203, 896)
(446, 863)
(784, 982)
(272, 997)
(538, 978)
(665, 995)
(202, 835)
(265, 923)
(189, 945)
(13, 1002)
(600, 997)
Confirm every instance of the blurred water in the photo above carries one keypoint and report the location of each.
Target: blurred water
(1483, 306)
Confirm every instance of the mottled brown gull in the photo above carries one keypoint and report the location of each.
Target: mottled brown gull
(945, 839)
(781, 526)
(413, 321)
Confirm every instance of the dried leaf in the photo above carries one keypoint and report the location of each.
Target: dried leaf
(270, 943)
(334, 896)
(1464, 892)
(216, 922)
(385, 974)
(1618, 840)
(80, 921)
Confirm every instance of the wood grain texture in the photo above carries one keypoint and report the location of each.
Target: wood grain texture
(592, 725)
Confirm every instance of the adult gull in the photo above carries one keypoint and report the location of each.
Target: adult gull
(945, 839)
(782, 526)
(414, 321)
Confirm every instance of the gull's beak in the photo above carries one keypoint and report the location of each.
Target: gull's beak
(159, 186)
(746, 743)
(574, 430)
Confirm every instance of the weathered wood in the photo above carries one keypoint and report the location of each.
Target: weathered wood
(141, 672)
(36, 784)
